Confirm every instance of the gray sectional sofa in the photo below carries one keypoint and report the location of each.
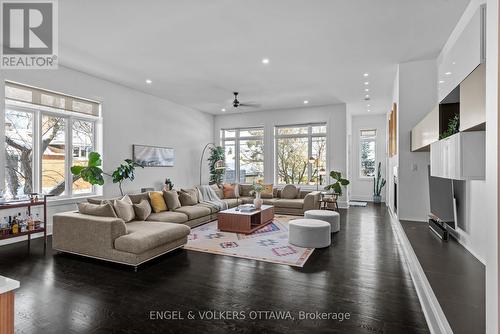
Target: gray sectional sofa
(137, 241)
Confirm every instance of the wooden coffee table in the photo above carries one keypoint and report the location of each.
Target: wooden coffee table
(236, 221)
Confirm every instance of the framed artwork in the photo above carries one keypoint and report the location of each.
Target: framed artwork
(153, 156)
(393, 148)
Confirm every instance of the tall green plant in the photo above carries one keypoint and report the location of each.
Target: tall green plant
(378, 181)
(93, 174)
(216, 175)
(126, 171)
(338, 184)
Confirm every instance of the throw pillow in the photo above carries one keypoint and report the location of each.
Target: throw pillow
(142, 210)
(95, 201)
(245, 190)
(230, 190)
(289, 192)
(217, 190)
(157, 201)
(101, 210)
(188, 197)
(268, 191)
(124, 208)
(172, 199)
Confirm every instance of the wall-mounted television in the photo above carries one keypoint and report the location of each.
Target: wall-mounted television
(442, 199)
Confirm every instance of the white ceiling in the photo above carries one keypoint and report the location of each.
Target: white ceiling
(197, 52)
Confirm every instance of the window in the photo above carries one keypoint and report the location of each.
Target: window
(367, 153)
(45, 134)
(244, 150)
(300, 154)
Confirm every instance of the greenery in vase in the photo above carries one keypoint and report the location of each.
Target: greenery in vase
(338, 184)
(378, 181)
(257, 187)
(93, 174)
(453, 125)
(216, 175)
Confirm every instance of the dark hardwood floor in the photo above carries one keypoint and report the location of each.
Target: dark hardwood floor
(457, 278)
(363, 273)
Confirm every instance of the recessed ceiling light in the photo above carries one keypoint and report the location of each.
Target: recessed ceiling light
(454, 63)
(367, 96)
(366, 75)
(265, 61)
(367, 89)
(447, 73)
(366, 83)
(368, 110)
(441, 81)
(149, 81)
(368, 105)
(306, 102)
(223, 109)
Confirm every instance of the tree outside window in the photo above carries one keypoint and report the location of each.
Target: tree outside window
(244, 150)
(295, 145)
(38, 148)
(367, 153)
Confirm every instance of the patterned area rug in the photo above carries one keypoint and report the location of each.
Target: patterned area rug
(269, 244)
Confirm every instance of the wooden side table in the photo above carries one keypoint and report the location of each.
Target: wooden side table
(7, 287)
(326, 200)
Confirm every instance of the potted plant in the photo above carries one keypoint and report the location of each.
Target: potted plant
(340, 182)
(216, 173)
(378, 185)
(93, 174)
(257, 189)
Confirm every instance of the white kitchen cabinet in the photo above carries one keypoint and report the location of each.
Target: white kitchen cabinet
(459, 157)
(426, 131)
(458, 60)
(473, 100)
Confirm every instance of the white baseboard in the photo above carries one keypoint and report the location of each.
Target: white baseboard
(343, 204)
(436, 320)
(363, 198)
(460, 237)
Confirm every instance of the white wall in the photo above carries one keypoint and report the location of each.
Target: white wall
(333, 115)
(417, 97)
(362, 188)
(130, 117)
(489, 215)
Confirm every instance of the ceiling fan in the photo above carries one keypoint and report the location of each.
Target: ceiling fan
(237, 103)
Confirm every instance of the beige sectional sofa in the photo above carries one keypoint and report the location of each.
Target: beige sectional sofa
(137, 241)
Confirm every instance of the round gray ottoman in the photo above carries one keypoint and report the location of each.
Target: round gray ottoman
(309, 233)
(331, 217)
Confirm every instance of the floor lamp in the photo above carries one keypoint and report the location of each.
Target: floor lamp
(219, 164)
(315, 162)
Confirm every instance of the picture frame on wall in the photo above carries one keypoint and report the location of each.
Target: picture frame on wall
(393, 149)
(153, 156)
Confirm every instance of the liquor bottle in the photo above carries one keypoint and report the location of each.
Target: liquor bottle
(15, 226)
(29, 221)
(4, 227)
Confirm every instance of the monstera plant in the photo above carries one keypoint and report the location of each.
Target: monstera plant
(340, 182)
(93, 174)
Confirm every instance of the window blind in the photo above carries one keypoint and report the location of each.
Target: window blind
(22, 93)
